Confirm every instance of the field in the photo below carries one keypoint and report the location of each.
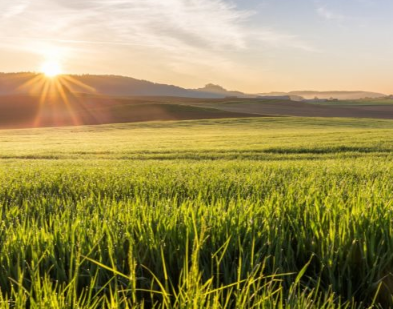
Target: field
(382, 109)
(230, 213)
(73, 109)
(32, 111)
(363, 102)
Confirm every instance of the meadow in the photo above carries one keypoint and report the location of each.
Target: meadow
(279, 212)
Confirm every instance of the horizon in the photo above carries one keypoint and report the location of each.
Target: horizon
(201, 86)
(250, 46)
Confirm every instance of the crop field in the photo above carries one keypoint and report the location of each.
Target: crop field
(233, 213)
(373, 109)
(364, 102)
(32, 111)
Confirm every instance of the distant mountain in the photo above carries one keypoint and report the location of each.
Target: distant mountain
(23, 83)
(127, 86)
(340, 95)
(34, 83)
(281, 97)
(219, 90)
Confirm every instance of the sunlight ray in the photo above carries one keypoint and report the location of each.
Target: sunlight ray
(31, 82)
(66, 102)
(78, 83)
(57, 92)
(77, 99)
(41, 104)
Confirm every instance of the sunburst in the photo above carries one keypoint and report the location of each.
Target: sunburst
(53, 87)
(51, 69)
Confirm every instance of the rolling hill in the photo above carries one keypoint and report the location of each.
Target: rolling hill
(21, 83)
(340, 95)
(30, 100)
(27, 111)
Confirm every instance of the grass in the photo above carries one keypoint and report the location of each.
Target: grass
(242, 213)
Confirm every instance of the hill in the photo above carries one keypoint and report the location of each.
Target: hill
(70, 109)
(32, 83)
(26, 111)
(286, 107)
(340, 95)
(24, 83)
(219, 90)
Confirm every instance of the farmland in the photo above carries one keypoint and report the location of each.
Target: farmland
(363, 102)
(76, 109)
(263, 212)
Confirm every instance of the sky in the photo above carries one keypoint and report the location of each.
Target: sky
(248, 45)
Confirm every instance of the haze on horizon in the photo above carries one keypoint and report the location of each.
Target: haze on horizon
(248, 45)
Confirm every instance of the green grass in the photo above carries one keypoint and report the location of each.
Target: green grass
(243, 213)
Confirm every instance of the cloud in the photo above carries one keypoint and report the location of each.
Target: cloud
(330, 15)
(9, 9)
(351, 18)
(367, 2)
(179, 34)
(282, 40)
(203, 24)
(199, 23)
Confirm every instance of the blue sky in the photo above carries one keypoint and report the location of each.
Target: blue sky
(254, 46)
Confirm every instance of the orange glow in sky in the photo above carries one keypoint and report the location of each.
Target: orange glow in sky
(247, 45)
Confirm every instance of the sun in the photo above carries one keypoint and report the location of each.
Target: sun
(51, 69)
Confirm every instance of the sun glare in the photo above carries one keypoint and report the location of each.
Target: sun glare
(51, 69)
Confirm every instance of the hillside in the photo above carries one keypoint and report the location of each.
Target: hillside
(21, 83)
(219, 90)
(300, 109)
(26, 111)
(24, 83)
(340, 95)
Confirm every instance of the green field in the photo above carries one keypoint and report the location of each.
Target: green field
(241, 213)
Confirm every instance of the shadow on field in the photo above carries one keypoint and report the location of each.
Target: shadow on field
(75, 110)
